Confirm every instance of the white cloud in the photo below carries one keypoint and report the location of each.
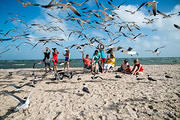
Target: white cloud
(167, 34)
(137, 17)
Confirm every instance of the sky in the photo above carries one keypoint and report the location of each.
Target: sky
(166, 35)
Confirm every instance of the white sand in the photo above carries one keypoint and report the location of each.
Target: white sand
(109, 99)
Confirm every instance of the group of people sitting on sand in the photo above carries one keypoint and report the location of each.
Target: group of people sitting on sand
(99, 62)
(125, 68)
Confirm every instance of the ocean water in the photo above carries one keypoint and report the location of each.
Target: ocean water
(7, 64)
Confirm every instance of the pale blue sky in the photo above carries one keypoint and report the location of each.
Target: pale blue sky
(166, 35)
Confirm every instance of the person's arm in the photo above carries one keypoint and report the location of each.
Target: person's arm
(133, 69)
(83, 55)
(44, 50)
(137, 69)
(92, 60)
(50, 50)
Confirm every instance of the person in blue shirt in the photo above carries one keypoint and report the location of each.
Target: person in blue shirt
(95, 61)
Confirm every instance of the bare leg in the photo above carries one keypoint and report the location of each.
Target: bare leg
(67, 66)
(96, 68)
(55, 66)
(46, 69)
(92, 68)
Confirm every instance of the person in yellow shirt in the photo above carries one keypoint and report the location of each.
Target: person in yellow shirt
(110, 63)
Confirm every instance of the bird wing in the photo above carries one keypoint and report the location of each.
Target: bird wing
(15, 97)
(51, 2)
(122, 4)
(102, 6)
(162, 14)
(4, 51)
(112, 5)
(176, 26)
(129, 49)
(124, 34)
(74, 10)
(141, 5)
(97, 3)
(30, 93)
(154, 5)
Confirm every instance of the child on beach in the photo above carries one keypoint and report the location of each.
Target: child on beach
(95, 61)
(46, 59)
(125, 68)
(137, 69)
(103, 59)
(67, 58)
(110, 62)
(55, 58)
(87, 61)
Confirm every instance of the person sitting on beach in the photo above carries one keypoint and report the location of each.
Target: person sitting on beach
(125, 68)
(46, 59)
(103, 59)
(110, 62)
(95, 61)
(137, 69)
(67, 58)
(87, 61)
(55, 58)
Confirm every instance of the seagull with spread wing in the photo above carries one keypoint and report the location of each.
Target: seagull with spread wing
(156, 51)
(23, 103)
(129, 51)
(153, 4)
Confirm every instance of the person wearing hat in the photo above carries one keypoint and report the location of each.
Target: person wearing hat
(125, 68)
(67, 58)
(110, 63)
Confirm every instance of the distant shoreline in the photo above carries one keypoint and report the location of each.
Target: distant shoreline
(8, 64)
(81, 58)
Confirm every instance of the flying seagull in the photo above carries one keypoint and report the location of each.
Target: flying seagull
(153, 4)
(113, 49)
(23, 103)
(68, 5)
(156, 51)
(129, 51)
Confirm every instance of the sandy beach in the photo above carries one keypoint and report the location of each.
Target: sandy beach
(110, 98)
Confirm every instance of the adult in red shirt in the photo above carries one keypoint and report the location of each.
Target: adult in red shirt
(87, 61)
(55, 58)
